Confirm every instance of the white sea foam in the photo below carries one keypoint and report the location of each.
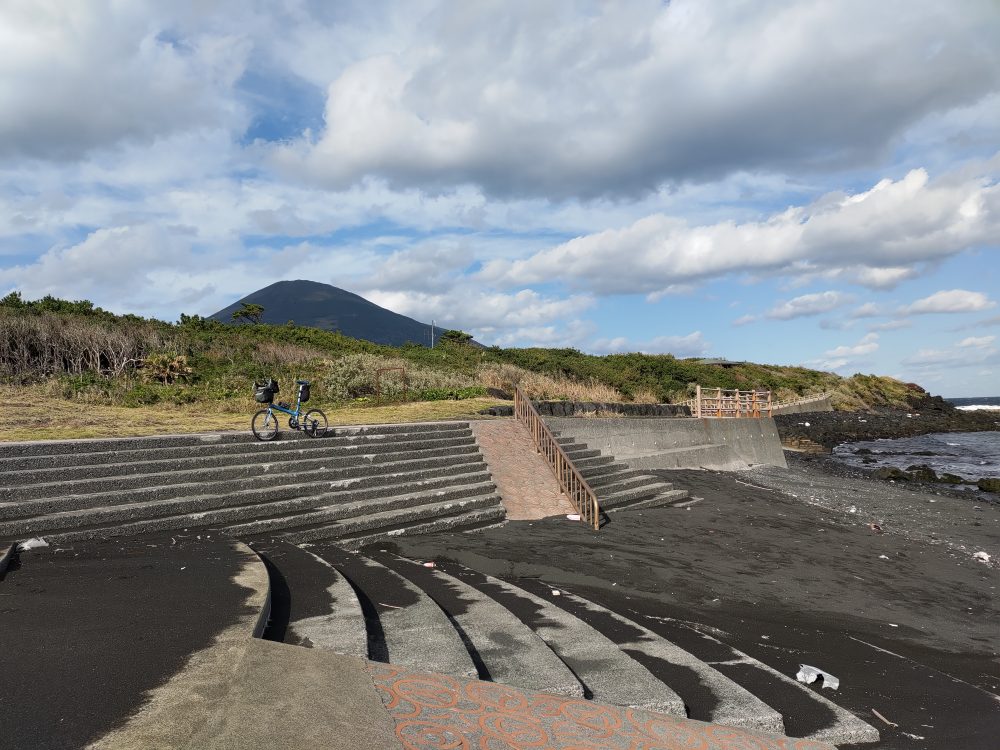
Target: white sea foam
(979, 407)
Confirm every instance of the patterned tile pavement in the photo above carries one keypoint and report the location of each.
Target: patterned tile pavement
(527, 487)
(437, 712)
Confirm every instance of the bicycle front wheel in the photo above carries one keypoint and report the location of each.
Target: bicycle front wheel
(315, 424)
(264, 425)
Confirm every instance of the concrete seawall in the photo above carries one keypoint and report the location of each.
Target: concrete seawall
(724, 444)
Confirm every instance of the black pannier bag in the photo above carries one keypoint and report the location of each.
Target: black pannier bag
(304, 392)
(264, 392)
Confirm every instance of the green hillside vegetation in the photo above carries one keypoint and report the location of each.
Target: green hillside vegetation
(82, 353)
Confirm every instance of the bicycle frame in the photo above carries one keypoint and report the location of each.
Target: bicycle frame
(296, 413)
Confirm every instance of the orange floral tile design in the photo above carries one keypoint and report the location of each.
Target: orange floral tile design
(438, 712)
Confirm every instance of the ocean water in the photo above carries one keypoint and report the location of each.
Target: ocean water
(979, 402)
(970, 455)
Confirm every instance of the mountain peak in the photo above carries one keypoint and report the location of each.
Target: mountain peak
(311, 303)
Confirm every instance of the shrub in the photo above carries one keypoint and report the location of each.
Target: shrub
(354, 375)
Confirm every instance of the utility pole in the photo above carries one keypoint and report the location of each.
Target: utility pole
(432, 333)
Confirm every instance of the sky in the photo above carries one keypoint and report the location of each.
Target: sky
(805, 182)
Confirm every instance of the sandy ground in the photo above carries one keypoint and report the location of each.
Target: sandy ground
(776, 563)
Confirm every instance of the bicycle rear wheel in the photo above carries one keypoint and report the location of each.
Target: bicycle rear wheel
(314, 423)
(264, 425)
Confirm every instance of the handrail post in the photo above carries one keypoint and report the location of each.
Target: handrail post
(697, 401)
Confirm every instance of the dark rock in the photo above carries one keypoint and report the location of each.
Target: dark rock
(951, 478)
(988, 484)
(923, 473)
(891, 472)
(863, 452)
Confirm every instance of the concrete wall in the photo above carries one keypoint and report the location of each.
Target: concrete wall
(726, 444)
(820, 404)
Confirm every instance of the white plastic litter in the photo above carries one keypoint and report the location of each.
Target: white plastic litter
(853, 509)
(982, 557)
(32, 544)
(555, 593)
(573, 516)
(431, 564)
(809, 675)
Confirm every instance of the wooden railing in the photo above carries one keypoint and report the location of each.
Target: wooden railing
(721, 403)
(571, 482)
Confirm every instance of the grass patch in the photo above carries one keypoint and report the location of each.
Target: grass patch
(38, 416)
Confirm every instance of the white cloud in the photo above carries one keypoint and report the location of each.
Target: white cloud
(977, 342)
(745, 320)
(897, 223)
(483, 94)
(808, 304)
(867, 310)
(950, 301)
(891, 325)
(841, 357)
(94, 74)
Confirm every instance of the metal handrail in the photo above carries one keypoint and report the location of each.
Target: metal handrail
(571, 482)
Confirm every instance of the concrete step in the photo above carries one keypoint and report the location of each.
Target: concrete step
(608, 674)
(504, 649)
(666, 497)
(588, 464)
(633, 496)
(613, 477)
(602, 470)
(448, 512)
(343, 440)
(352, 455)
(708, 694)
(473, 520)
(272, 487)
(805, 712)
(631, 483)
(580, 452)
(312, 604)
(56, 447)
(120, 484)
(404, 625)
(204, 510)
(329, 508)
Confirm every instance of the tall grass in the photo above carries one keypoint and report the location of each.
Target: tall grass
(36, 346)
(541, 386)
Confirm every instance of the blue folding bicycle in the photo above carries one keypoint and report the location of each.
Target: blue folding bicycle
(265, 422)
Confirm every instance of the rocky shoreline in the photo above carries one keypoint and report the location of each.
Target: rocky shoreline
(929, 415)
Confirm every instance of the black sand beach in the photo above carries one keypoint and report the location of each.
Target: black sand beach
(776, 564)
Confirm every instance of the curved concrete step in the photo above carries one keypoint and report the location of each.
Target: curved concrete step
(807, 714)
(607, 673)
(709, 695)
(404, 625)
(346, 456)
(503, 647)
(312, 604)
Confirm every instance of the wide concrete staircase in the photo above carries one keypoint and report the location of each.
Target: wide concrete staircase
(616, 485)
(454, 620)
(355, 486)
